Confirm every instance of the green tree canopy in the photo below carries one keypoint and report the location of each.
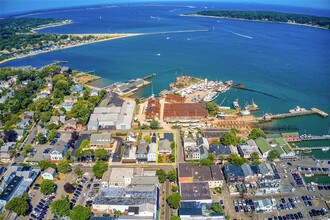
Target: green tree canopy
(18, 205)
(100, 154)
(212, 108)
(154, 124)
(272, 155)
(217, 208)
(257, 132)
(41, 138)
(47, 187)
(27, 149)
(63, 166)
(60, 207)
(172, 175)
(229, 138)
(100, 168)
(237, 160)
(80, 213)
(161, 175)
(174, 200)
(254, 156)
(175, 217)
(45, 164)
(52, 134)
(78, 171)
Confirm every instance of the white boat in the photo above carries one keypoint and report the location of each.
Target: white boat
(297, 109)
(245, 112)
(236, 105)
(252, 107)
(211, 96)
(325, 148)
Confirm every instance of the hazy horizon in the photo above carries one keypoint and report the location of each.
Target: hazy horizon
(10, 7)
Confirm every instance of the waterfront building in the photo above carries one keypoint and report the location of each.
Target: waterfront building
(290, 136)
(172, 98)
(153, 109)
(184, 111)
(263, 146)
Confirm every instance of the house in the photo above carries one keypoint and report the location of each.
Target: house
(54, 120)
(41, 96)
(78, 89)
(5, 150)
(233, 173)
(211, 174)
(213, 133)
(129, 154)
(219, 150)
(290, 136)
(153, 109)
(202, 141)
(246, 150)
(43, 131)
(184, 111)
(137, 202)
(23, 124)
(94, 92)
(189, 142)
(142, 151)
(201, 211)
(203, 152)
(49, 174)
(20, 134)
(70, 124)
(164, 147)
(263, 146)
(264, 205)
(249, 176)
(121, 177)
(70, 99)
(67, 106)
(60, 147)
(102, 140)
(152, 154)
(28, 115)
(168, 136)
(65, 69)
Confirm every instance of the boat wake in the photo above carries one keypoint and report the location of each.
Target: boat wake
(238, 34)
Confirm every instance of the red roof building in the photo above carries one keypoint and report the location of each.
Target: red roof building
(174, 98)
(153, 108)
(185, 111)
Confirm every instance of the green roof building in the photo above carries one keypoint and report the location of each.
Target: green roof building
(263, 146)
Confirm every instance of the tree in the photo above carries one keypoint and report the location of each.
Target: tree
(100, 168)
(147, 138)
(272, 155)
(80, 213)
(254, 156)
(69, 188)
(154, 124)
(227, 217)
(237, 160)
(174, 200)
(41, 138)
(60, 207)
(175, 217)
(18, 205)
(172, 175)
(217, 208)
(175, 188)
(206, 162)
(47, 187)
(78, 172)
(117, 213)
(100, 154)
(52, 134)
(218, 189)
(27, 149)
(63, 166)
(45, 164)
(256, 162)
(161, 175)
(257, 132)
(212, 108)
(229, 138)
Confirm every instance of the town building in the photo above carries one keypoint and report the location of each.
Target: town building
(23, 124)
(164, 147)
(142, 151)
(102, 140)
(121, 177)
(263, 146)
(201, 211)
(219, 150)
(145, 181)
(60, 148)
(49, 174)
(233, 174)
(94, 92)
(153, 109)
(67, 106)
(172, 98)
(264, 205)
(246, 150)
(129, 154)
(283, 148)
(152, 154)
(5, 150)
(290, 136)
(186, 111)
(195, 192)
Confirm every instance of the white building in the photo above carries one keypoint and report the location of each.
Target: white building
(152, 154)
(121, 177)
(49, 174)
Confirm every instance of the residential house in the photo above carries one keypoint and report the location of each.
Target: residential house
(212, 134)
(129, 154)
(102, 140)
(152, 154)
(202, 141)
(28, 115)
(23, 124)
(20, 134)
(41, 96)
(94, 92)
(121, 177)
(164, 147)
(249, 176)
(192, 153)
(65, 69)
(60, 148)
(219, 150)
(5, 150)
(78, 89)
(168, 136)
(67, 106)
(43, 131)
(70, 124)
(263, 146)
(55, 120)
(246, 150)
(49, 174)
(233, 174)
(70, 99)
(142, 151)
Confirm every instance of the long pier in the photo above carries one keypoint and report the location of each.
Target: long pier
(309, 148)
(269, 117)
(315, 138)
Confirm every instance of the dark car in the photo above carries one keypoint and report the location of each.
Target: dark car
(79, 189)
(236, 209)
(89, 186)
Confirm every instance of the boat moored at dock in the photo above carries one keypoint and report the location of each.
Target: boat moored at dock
(211, 96)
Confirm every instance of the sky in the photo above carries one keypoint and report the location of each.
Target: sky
(20, 6)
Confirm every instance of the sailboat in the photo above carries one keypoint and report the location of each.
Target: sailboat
(252, 107)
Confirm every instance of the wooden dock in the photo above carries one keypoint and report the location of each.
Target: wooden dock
(269, 117)
(309, 148)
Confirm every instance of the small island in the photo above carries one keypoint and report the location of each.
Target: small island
(290, 18)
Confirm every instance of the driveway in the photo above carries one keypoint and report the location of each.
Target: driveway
(78, 142)
(116, 154)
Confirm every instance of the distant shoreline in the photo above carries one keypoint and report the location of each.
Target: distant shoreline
(242, 19)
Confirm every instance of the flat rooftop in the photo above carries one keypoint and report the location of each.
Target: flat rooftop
(195, 191)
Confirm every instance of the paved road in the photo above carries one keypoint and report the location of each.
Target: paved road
(179, 148)
(167, 193)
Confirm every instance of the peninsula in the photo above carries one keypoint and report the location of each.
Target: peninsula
(268, 16)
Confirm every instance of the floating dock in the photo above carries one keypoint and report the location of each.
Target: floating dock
(269, 117)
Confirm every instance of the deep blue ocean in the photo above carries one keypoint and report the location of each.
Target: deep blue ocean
(288, 61)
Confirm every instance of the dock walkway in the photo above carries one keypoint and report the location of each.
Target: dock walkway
(309, 148)
(269, 117)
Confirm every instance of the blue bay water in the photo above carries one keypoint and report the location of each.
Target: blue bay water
(288, 61)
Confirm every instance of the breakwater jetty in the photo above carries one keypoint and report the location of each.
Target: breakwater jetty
(302, 112)
(241, 86)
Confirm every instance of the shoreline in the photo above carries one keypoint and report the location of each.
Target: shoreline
(111, 37)
(65, 22)
(242, 19)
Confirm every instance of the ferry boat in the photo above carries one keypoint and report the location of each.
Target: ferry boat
(297, 109)
(252, 107)
(236, 105)
(211, 96)
(325, 148)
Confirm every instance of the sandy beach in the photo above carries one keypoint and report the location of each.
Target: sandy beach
(241, 19)
(109, 37)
